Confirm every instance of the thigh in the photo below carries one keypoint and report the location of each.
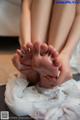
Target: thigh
(78, 7)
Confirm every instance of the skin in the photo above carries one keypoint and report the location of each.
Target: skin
(28, 19)
(22, 61)
(45, 63)
(63, 43)
(40, 16)
(25, 20)
(70, 38)
(34, 62)
(62, 19)
(25, 39)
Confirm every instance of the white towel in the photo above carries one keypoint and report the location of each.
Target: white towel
(59, 103)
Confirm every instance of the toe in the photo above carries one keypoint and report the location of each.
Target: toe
(29, 49)
(19, 52)
(23, 50)
(54, 56)
(52, 52)
(57, 62)
(36, 48)
(43, 49)
(29, 46)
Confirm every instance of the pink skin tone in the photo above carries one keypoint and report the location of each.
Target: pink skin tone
(33, 27)
(22, 61)
(45, 63)
(39, 64)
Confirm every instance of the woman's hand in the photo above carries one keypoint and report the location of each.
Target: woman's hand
(65, 69)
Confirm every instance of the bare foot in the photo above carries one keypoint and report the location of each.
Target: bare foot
(45, 63)
(23, 62)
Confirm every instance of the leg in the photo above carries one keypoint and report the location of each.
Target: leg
(66, 53)
(40, 16)
(63, 36)
(42, 61)
(39, 32)
(61, 22)
(25, 23)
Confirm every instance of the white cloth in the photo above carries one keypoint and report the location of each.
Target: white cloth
(59, 103)
(75, 60)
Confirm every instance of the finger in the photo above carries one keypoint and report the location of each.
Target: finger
(23, 50)
(62, 78)
(15, 58)
(16, 62)
(44, 49)
(57, 62)
(19, 52)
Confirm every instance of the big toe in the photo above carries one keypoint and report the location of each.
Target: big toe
(29, 49)
(54, 55)
(29, 46)
(52, 51)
